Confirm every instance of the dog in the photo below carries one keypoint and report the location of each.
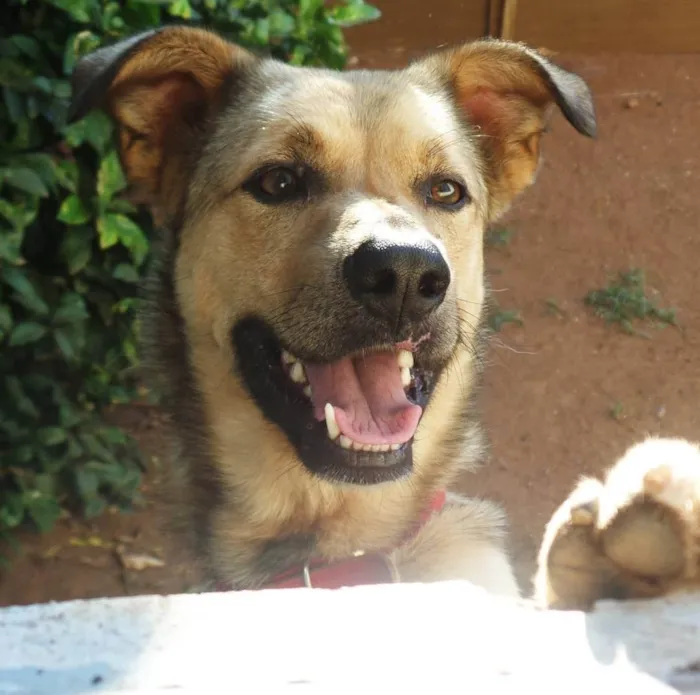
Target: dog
(316, 317)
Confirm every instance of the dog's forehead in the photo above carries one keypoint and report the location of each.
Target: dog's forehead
(362, 100)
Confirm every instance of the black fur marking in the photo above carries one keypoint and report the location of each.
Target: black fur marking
(95, 72)
(280, 554)
(571, 94)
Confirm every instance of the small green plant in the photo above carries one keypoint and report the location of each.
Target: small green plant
(617, 411)
(625, 301)
(498, 317)
(73, 252)
(498, 236)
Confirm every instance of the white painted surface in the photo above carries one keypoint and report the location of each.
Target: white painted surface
(441, 638)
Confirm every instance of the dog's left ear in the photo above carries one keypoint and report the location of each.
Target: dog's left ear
(506, 91)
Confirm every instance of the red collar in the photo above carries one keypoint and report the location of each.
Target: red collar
(368, 568)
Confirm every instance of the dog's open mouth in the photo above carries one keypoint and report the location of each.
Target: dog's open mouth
(351, 419)
(363, 399)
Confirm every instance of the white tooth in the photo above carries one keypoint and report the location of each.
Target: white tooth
(395, 447)
(307, 391)
(288, 358)
(331, 424)
(376, 447)
(405, 376)
(384, 447)
(405, 359)
(297, 374)
(345, 442)
(357, 446)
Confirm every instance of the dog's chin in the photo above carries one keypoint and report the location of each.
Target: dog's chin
(347, 443)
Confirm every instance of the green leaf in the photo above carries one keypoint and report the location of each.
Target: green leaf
(26, 332)
(354, 13)
(69, 342)
(126, 273)
(43, 509)
(27, 45)
(26, 292)
(76, 248)
(51, 436)
(281, 23)
(72, 211)
(114, 228)
(67, 174)
(95, 129)
(79, 10)
(25, 180)
(41, 164)
(11, 246)
(19, 216)
(11, 509)
(110, 178)
(71, 309)
(14, 103)
(180, 8)
(20, 398)
(88, 484)
(5, 320)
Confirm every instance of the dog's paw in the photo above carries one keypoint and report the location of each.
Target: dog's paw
(636, 535)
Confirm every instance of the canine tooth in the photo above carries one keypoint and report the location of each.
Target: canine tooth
(405, 359)
(345, 442)
(405, 377)
(288, 358)
(297, 374)
(331, 424)
(307, 391)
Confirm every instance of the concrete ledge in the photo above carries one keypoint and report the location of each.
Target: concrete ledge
(440, 638)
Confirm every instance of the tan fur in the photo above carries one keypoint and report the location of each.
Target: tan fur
(465, 541)
(196, 117)
(637, 534)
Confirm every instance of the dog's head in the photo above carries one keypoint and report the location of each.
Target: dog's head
(329, 224)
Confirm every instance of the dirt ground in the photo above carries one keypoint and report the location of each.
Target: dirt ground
(564, 394)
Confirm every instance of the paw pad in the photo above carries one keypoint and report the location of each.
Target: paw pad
(635, 535)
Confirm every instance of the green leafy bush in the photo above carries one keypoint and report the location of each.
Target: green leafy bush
(72, 252)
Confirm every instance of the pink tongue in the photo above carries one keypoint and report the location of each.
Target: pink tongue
(369, 400)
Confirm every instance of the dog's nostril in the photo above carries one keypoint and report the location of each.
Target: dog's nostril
(432, 285)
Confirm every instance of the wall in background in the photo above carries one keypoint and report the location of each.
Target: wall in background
(577, 26)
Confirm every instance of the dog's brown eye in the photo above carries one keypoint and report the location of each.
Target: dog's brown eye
(277, 184)
(446, 192)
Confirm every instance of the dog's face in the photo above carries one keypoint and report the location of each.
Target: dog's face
(329, 224)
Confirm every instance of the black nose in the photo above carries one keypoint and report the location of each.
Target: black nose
(397, 281)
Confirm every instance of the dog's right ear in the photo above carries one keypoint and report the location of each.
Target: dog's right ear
(161, 88)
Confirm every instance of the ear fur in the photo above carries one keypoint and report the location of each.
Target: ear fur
(505, 91)
(161, 88)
